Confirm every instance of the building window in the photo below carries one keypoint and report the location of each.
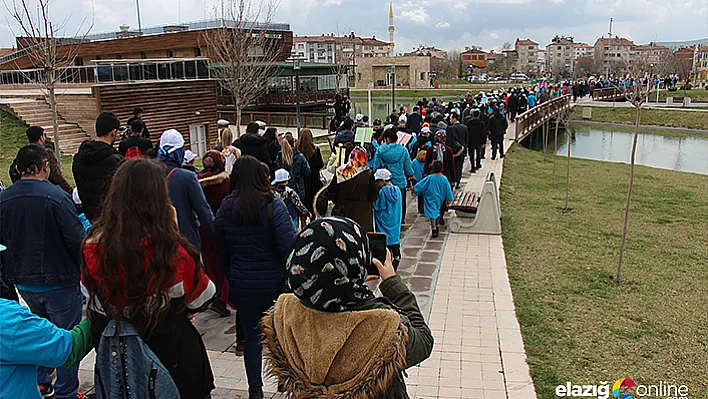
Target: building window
(98, 57)
(79, 61)
(197, 52)
(143, 55)
(422, 76)
(169, 53)
(359, 76)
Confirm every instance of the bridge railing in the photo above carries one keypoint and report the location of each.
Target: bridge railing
(607, 94)
(288, 119)
(538, 115)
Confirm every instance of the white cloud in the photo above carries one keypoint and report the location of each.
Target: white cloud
(442, 25)
(333, 2)
(418, 15)
(493, 35)
(460, 6)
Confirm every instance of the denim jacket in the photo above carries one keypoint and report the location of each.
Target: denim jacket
(42, 233)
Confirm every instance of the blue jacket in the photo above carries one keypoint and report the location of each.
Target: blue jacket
(388, 213)
(435, 189)
(396, 159)
(188, 199)
(28, 341)
(42, 233)
(248, 255)
(344, 136)
(418, 169)
(532, 101)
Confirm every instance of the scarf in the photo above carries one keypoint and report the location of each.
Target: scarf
(327, 268)
(357, 164)
(214, 162)
(440, 138)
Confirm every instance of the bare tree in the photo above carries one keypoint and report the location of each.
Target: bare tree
(48, 51)
(564, 118)
(682, 67)
(636, 93)
(243, 51)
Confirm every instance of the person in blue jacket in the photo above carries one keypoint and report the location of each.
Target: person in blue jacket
(387, 212)
(185, 192)
(396, 159)
(253, 235)
(435, 190)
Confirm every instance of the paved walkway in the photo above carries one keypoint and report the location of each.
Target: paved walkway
(461, 283)
(694, 107)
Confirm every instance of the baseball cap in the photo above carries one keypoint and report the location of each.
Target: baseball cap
(222, 122)
(359, 117)
(403, 119)
(188, 156)
(281, 175)
(171, 138)
(382, 174)
(425, 130)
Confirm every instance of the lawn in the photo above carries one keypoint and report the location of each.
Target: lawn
(577, 324)
(650, 117)
(695, 94)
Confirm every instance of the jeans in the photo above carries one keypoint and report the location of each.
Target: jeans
(63, 308)
(497, 142)
(476, 151)
(250, 316)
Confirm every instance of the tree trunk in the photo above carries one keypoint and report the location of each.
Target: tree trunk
(555, 150)
(567, 171)
(545, 140)
(618, 277)
(238, 121)
(55, 116)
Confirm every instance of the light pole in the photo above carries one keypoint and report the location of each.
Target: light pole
(393, 89)
(296, 67)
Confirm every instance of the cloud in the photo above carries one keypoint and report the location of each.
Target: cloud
(442, 25)
(460, 6)
(418, 15)
(493, 35)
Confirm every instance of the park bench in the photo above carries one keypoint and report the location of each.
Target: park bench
(465, 202)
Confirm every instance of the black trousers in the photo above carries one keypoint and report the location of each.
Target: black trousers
(404, 202)
(395, 254)
(477, 151)
(459, 161)
(497, 142)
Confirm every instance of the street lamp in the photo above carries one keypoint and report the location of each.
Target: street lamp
(393, 89)
(296, 67)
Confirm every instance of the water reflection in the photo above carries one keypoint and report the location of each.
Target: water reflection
(683, 153)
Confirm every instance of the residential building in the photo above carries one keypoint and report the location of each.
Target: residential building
(613, 53)
(422, 50)
(700, 63)
(412, 72)
(527, 56)
(542, 64)
(651, 53)
(474, 58)
(583, 50)
(560, 56)
(510, 62)
(339, 49)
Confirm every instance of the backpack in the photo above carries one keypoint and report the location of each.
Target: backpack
(133, 152)
(127, 368)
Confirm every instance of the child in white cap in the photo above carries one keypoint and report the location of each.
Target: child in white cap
(388, 213)
(189, 159)
(296, 208)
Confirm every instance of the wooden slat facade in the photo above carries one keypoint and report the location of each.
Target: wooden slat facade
(167, 104)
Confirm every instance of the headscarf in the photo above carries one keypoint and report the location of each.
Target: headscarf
(357, 163)
(327, 268)
(171, 148)
(440, 138)
(214, 161)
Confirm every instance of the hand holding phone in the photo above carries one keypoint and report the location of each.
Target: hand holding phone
(377, 250)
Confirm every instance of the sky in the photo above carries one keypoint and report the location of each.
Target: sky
(445, 24)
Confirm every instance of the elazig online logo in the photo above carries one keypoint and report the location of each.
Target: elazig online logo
(624, 388)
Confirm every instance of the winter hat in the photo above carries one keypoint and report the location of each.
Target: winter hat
(425, 129)
(189, 156)
(222, 122)
(171, 140)
(359, 117)
(403, 119)
(382, 174)
(440, 136)
(75, 196)
(442, 125)
(281, 175)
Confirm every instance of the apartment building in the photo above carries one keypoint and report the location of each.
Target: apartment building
(527, 53)
(560, 56)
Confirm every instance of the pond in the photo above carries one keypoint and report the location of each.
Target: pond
(675, 150)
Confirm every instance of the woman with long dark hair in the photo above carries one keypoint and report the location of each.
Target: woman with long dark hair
(253, 236)
(306, 145)
(137, 267)
(273, 145)
(296, 164)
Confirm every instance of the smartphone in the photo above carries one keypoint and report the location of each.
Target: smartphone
(377, 250)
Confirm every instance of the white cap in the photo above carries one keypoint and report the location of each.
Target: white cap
(173, 139)
(189, 156)
(382, 174)
(222, 122)
(403, 119)
(425, 130)
(75, 196)
(359, 117)
(281, 175)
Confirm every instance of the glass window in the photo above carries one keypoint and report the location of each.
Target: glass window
(104, 73)
(149, 71)
(197, 52)
(120, 73)
(202, 70)
(136, 72)
(190, 70)
(169, 53)
(177, 70)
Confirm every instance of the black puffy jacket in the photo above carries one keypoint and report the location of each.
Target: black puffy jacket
(253, 145)
(93, 168)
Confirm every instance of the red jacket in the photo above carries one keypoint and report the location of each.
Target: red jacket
(448, 163)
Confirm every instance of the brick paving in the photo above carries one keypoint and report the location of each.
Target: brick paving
(463, 289)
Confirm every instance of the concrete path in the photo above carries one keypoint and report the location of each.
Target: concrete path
(463, 289)
(694, 107)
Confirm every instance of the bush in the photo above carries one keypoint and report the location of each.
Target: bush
(687, 86)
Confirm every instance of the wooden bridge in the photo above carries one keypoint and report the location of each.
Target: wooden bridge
(540, 114)
(608, 94)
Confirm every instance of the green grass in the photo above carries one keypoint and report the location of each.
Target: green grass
(695, 94)
(577, 324)
(12, 138)
(650, 117)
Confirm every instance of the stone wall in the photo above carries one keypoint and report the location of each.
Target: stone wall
(413, 72)
(81, 109)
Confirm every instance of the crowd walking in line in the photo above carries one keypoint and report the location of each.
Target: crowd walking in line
(152, 235)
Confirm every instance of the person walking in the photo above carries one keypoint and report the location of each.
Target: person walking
(513, 105)
(387, 211)
(396, 159)
(216, 185)
(306, 145)
(40, 227)
(95, 163)
(135, 142)
(253, 236)
(461, 135)
(497, 130)
(139, 269)
(36, 135)
(415, 121)
(253, 144)
(353, 190)
(436, 192)
(476, 140)
(224, 134)
(138, 115)
(363, 344)
(185, 192)
(297, 166)
(273, 143)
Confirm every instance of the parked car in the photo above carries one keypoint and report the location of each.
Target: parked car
(519, 77)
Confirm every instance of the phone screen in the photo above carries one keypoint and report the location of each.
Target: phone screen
(377, 250)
